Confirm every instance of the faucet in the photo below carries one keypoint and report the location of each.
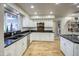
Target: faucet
(13, 33)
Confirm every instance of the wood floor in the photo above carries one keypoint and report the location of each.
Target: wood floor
(43, 48)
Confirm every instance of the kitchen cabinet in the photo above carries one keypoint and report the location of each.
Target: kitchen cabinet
(17, 48)
(10, 50)
(41, 36)
(21, 46)
(68, 47)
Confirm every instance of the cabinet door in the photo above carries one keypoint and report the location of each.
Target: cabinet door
(62, 44)
(28, 40)
(51, 37)
(19, 47)
(24, 43)
(78, 50)
(69, 48)
(10, 50)
(46, 36)
(34, 36)
(66, 46)
(41, 37)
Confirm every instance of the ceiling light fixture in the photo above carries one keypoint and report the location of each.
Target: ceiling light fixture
(5, 5)
(75, 3)
(57, 3)
(78, 6)
(51, 12)
(32, 6)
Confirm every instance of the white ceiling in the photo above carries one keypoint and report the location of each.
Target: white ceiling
(59, 10)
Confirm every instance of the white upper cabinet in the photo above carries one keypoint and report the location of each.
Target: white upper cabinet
(26, 21)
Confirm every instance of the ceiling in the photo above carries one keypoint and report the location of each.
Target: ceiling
(59, 10)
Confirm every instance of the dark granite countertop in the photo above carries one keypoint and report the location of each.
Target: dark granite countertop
(49, 31)
(73, 38)
(8, 41)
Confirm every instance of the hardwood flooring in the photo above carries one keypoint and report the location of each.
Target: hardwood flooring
(43, 48)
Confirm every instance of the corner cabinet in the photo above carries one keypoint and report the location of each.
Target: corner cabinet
(17, 48)
(68, 47)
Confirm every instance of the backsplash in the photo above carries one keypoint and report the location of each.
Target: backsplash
(8, 34)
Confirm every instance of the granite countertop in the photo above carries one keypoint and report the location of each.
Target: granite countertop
(8, 41)
(50, 31)
(73, 38)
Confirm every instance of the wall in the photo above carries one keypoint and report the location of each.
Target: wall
(64, 27)
(1, 31)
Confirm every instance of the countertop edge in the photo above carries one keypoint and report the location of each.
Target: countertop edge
(69, 39)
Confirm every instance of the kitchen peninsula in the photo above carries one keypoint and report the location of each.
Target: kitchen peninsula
(69, 44)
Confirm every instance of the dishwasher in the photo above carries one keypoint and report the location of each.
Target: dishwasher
(28, 40)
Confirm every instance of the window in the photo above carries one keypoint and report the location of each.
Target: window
(11, 22)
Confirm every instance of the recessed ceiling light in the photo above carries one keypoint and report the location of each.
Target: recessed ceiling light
(32, 6)
(51, 12)
(78, 6)
(5, 5)
(57, 3)
(68, 17)
(75, 3)
(35, 13)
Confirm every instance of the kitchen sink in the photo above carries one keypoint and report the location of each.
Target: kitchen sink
(16, 37)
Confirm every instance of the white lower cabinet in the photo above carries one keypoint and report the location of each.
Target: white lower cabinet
(17, 48)
(39, 36)
(69, 48)
(10, 50)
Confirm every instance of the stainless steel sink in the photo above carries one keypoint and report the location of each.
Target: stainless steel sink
(16, 37)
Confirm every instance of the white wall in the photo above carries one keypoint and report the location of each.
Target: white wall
(64, 27)
(1, 31)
